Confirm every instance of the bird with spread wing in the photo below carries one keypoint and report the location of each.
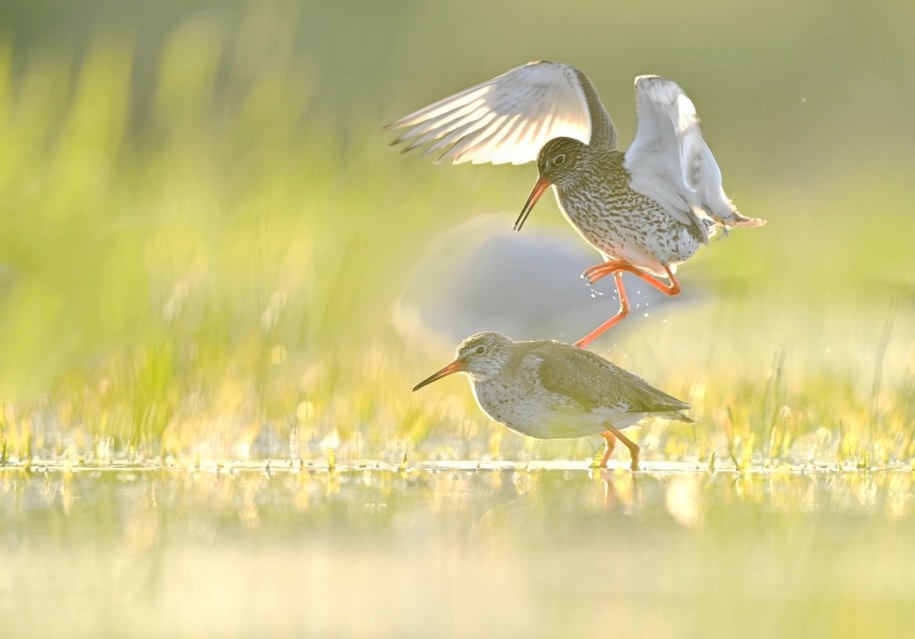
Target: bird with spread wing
(646, 210)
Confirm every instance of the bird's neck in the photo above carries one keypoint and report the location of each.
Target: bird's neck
(492, 371)
(484, 377)
(599, 164)
(603, 133)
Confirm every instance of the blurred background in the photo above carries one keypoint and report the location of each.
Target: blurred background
(210, 255)
(209, 249)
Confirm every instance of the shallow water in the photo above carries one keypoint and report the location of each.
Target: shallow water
(455, 549)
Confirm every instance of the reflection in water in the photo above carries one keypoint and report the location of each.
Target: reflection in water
(387, 552)
(682, 500)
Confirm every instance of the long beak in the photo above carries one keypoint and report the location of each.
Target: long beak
(542, 184)
(454, 367)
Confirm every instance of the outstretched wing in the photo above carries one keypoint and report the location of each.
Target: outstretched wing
(593, 382)
(508, 118)
(669, 160)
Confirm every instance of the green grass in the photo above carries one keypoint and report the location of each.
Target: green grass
(203, 239)
(206, 424)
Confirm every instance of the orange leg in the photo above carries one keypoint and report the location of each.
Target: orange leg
(623, 312)
(616, 268)
(613, 432)
(604, 269)
(611, 444)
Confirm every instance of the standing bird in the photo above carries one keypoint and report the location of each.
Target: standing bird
(645, 210)
(550, 390)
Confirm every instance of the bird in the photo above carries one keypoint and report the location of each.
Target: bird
(548, 389)
(645, 211)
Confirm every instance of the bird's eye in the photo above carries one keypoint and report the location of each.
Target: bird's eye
(479, 350)
(559, 159)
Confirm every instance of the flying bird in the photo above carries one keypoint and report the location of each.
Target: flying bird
(646, 210)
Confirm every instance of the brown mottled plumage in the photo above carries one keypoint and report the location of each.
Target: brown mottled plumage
(548, 390)
(645, 211)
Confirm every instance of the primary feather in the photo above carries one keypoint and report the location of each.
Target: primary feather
(512, 116)
(506, 119)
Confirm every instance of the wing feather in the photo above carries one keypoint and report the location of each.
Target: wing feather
(593, 382)
(441, 108)
(489, 147)
(474, 141)
(669, 160)
(427, 131)
(464, 129)
(533, 103)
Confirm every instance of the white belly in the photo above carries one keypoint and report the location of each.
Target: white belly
(544, 415)
(637, 231)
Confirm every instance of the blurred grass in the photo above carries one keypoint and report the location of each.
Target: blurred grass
(204, 230)
(204, 233)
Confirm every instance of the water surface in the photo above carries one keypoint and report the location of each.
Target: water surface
(455, 550)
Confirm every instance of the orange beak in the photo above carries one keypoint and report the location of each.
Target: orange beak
(542, 184)
(454, 367)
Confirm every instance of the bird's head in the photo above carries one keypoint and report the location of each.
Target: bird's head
(481, 355)
(558, 162)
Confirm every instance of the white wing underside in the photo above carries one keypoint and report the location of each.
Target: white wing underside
(506, 119)
(511, 117)
(669, 160)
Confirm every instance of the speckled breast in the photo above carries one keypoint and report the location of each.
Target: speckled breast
(624, 224)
